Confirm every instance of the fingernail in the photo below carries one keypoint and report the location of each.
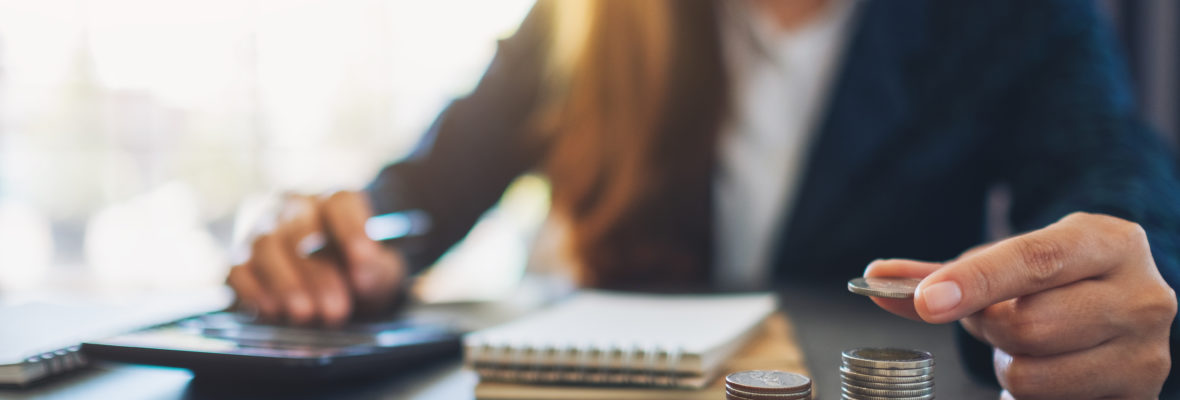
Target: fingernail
(871, 264)
(942, 296)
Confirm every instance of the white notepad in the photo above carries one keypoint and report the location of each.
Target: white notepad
(39, 339)
(609, 338)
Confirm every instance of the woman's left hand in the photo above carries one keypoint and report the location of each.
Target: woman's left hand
(1076, 310)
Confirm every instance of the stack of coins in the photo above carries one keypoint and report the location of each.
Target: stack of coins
(767, 385)
(887, 374)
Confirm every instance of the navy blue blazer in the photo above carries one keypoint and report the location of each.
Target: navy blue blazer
(936, 102)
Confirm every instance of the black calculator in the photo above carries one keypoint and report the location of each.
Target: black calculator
(226, 345)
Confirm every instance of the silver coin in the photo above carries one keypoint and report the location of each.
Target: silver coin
(927, 371)
(863, 377)
(767, 381)
(871, 357)
(738, 393)
(847, 396)
(894, 288)
(887, 392)
(891, 386)
(850, 395)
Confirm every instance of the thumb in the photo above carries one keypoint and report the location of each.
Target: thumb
(345, 215)
(900, 268)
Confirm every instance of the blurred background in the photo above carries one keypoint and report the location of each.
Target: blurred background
(139, 139)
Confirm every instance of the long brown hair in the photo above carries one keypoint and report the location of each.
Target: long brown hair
(639, 93)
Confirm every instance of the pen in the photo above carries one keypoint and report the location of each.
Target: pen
(382, 228)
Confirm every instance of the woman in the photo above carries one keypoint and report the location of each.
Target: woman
(732, 143)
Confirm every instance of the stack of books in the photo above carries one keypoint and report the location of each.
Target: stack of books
(631, 346)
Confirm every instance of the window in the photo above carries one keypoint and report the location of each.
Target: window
(132, 131)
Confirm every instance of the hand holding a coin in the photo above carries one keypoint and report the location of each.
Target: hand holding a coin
(1061, 306)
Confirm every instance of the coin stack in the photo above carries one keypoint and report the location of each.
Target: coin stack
(887, 374)
(767, 385)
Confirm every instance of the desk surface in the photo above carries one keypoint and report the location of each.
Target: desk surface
(827, 320)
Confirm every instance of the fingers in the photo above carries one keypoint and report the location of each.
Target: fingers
(1075, 310)
(373, 272)
(250, 291)
(281, 282)
(386, 273)
(344, 215)
(1072, 318)
(900, 268)
(322, 279)
(333, 298)
(281, 278)
(273, 286)
(1022, 265)
(1122, 368)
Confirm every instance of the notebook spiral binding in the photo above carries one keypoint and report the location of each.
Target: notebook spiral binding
(615, 365)
(45, 364)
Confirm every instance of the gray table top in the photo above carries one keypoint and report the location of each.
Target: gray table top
(826, 319)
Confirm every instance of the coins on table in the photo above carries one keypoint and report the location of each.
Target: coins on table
(767, 385)
(894, 288)
(886, 374)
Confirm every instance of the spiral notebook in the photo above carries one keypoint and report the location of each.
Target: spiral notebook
(39, 340)
(618, 339)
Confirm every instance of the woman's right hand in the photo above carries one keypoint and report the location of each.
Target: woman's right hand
(282, 283)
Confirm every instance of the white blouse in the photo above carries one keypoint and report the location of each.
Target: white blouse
(779, 82)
